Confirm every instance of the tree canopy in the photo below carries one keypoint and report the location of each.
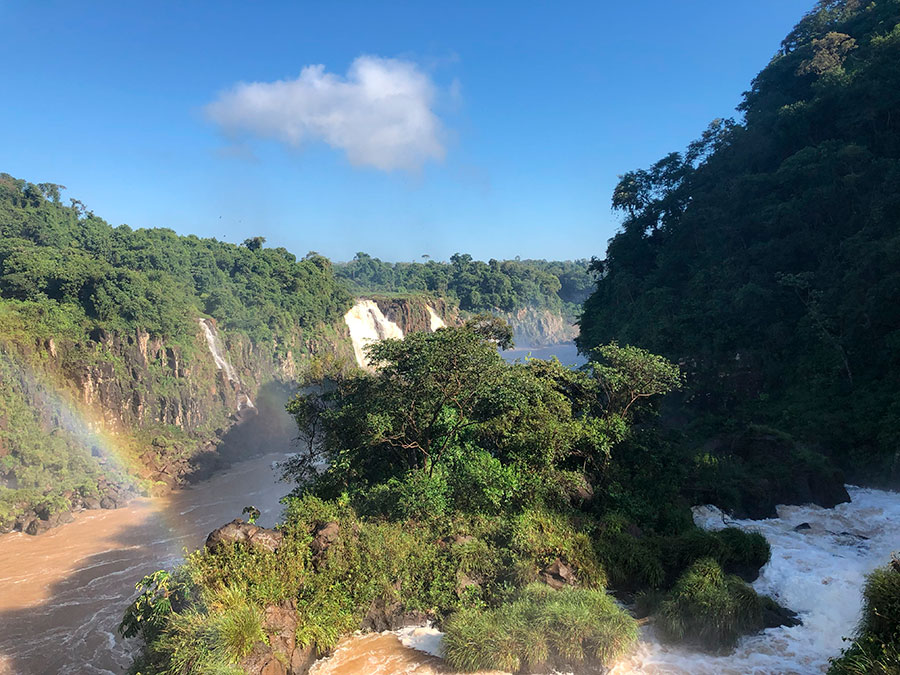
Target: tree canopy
(766, 257)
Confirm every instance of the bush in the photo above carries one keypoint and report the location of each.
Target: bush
(709, 608)
(540, 628)
(876, 650)
(543, 536)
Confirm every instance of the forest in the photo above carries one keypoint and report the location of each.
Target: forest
(765, 257)
(758, 272)
(476, 286)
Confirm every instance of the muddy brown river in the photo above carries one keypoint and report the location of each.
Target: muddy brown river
(62, 594)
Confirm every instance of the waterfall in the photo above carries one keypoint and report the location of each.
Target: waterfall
(436, 322)
(222, 363)
(368, 324)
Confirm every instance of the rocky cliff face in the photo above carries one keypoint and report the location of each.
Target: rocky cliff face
(123, 413)
(534, 327)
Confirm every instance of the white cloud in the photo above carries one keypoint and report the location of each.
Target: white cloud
(380, 114)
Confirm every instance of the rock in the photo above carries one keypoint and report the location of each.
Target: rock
(634, 530)
(558, 575)
(324, 536)
(302, 659)
(37, 526)
(237, 531)
(90, 503)
(384, 616)
(802, 527)
(108, 503)
(774, 615)
(281, 656)
(776, 470)
(463, 582)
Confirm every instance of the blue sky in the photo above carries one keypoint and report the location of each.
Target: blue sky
(513, 121)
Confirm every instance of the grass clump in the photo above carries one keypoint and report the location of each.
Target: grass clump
(540, 628)
(876, 649)
(709, 608)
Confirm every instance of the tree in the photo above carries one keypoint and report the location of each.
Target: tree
(254, 243)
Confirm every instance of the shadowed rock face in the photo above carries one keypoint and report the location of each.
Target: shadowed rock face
(777, 474)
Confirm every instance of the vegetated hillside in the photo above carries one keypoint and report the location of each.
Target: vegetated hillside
(539, 298)
(766, 257)
(100, 333)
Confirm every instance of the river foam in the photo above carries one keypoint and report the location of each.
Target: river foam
(818, 571)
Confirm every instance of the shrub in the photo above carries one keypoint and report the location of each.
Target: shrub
(709, 608)
(543, 536)
(876, 650)
(541, 627)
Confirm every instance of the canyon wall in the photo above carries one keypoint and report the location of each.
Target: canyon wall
(91, 423)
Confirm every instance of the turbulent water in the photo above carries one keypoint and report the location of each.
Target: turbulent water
(63, 593)
(818, 572)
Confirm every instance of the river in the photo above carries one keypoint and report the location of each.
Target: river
(566, 352)
(62, 594)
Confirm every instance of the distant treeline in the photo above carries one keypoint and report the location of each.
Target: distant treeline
(505, 285)
(63, 257)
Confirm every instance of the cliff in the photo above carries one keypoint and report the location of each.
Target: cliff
(534, 327)
(91, 423)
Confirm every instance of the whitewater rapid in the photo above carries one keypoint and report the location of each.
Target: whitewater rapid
(817, 571)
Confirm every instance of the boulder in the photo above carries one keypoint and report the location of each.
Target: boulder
(37, 526)
(774, 615)
(324, 535)
(384, 615)
(237, 531)
(558, 575)
(281, 656)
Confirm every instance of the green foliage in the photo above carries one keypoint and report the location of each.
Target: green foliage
(149, 611)
(541, 537)
(71, 285)
(765, 257)
(876, 648)
(153, 279)
(540, 628)
(709, 608)
(476, 286)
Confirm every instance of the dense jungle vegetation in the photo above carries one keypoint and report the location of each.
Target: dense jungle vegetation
(65, 262)
(763, 261)
(67, 277)
(450, 483)
(476, 286)
(766, 257)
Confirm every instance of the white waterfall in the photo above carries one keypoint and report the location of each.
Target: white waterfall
(436, 322)
(221, 361)
(368, 324)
